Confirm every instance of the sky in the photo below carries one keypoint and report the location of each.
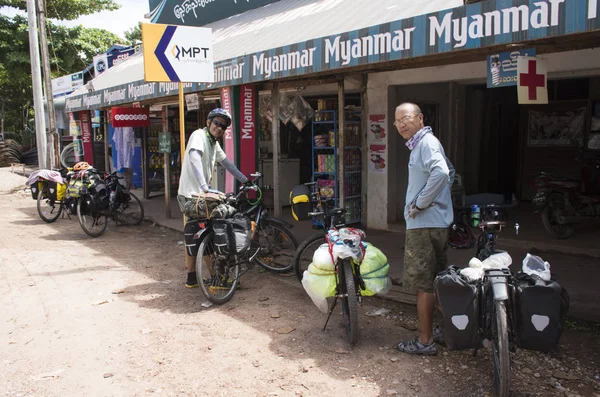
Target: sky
(118, 22)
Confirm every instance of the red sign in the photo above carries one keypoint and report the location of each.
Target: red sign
(86, 137)
(531, 81)
(229, 141)
(131, 117)
(248, 96)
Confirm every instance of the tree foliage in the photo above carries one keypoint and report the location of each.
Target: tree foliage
(67, 9)
(134, 35)
(71, 50)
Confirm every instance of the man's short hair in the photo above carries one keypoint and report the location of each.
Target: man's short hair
(414, 106)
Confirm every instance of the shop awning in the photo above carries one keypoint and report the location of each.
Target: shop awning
(294, 38)
(292, 21)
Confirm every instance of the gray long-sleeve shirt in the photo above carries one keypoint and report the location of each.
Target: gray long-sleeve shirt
(430, 178)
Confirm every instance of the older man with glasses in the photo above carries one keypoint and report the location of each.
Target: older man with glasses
(428, 214)
(203, 151)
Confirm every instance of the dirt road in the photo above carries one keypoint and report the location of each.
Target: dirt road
(110, 317)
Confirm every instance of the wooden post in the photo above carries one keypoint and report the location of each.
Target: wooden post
(145, 163)
(181, 137)
(275, 136)
(104, 123)
(341, 143)
(364, 104)
(167, 169)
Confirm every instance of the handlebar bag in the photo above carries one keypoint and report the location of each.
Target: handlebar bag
(300, 201)
(542, 308)
(457, 301)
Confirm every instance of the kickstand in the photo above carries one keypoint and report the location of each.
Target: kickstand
(330, 311)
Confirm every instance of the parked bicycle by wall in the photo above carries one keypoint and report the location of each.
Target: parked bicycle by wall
(228, 247)
(336, 262)
(104, 198)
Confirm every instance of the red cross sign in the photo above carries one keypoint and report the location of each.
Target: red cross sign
(532, 87)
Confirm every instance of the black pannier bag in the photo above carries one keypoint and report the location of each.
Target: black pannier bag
(71, 205)
(52, 190)
(36, 187)
(300, 201)
(189, 231)
(542, 308)
(457, 301)
(232, 234)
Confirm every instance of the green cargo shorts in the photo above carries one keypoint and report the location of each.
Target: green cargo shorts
(424, 257)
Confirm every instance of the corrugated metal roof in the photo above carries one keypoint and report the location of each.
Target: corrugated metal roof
(291, 21)
(283, 23)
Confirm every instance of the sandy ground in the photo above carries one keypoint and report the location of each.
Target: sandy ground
(110, 317)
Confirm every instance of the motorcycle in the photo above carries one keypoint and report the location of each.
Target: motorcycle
(565, 202)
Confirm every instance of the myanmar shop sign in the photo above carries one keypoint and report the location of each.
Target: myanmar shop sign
(473, 26)
(199, 12)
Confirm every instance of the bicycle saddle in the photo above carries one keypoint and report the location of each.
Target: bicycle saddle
(492, 224)
(338, 211)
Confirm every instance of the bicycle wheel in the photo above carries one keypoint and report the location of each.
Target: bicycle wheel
(93, 224)
(67, 156)
(304, 253)
(48, 210)
(217, 274)
(349, 301)
(500, 349)
(277, 247)
(130, 213)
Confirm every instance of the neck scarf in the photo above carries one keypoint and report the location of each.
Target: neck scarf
(415, 139)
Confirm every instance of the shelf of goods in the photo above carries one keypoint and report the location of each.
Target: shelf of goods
(325, 152)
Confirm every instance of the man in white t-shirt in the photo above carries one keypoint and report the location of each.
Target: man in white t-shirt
(203, 151)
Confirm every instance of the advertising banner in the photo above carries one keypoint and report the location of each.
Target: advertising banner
(502, 67)
(229, 141)
(177, 54)
(131, 117)
(248, 131)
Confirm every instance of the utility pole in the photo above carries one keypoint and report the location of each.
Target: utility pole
(53, 139)
(36, 82)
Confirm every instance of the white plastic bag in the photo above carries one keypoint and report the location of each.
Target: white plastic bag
(474, 262)
(347, 243)
(322, 258)
(533, 264)
(497, 261)
(472, 274)
(319, 285)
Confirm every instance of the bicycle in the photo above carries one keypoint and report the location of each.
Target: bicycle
(324, 217)
(220, 268)
(49, 207)
(105, 199)
(497, 300)
(348, 279)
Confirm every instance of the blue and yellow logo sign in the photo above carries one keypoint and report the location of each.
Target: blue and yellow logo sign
(177, 54)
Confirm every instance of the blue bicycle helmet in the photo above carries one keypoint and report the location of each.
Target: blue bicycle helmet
(219, 112)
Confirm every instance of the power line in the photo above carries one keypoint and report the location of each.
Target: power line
(70, 40)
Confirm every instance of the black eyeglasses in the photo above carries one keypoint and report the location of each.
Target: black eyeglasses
(220, 125)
